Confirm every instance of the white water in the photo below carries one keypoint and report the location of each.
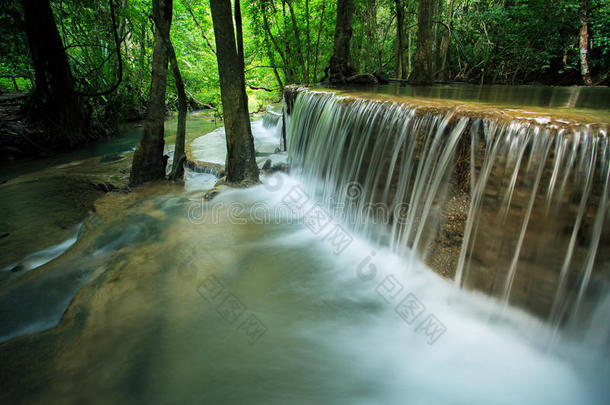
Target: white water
(488, 354)
(212, 148)
(37, 259)
(383, 160)
(334, 334)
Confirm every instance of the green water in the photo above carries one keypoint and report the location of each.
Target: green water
(168, 298)
(227, 308)
(592, 101)
(197, 124)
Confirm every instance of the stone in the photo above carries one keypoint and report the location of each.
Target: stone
(17, 268)
(280, 167)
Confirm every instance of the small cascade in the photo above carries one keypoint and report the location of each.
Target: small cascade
(272, 119)
(512, 204)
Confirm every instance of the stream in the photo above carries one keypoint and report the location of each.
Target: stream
(165, 296)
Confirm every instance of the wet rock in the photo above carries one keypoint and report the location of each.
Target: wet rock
(112, 158)
(105, 187)
(277, 150)
(280, 167)
(17, 268)
(363, 78)
(210, 195)
(267, 164)
(382, 77)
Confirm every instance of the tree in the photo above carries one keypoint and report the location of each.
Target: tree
(179, 149)
(241, 162)
(297, 39)
(340, 64)
(401, 66)
(148, 162)
(423, 68)
(317, 48)
(584, 43)
(54, 94)
(446, 40)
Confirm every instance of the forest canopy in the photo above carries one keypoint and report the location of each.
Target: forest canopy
(291, 41)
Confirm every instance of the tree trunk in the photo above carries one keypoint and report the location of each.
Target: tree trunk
(179, 148)
(423, 69)
(273, 65)
(340, 64)
(315, 61)
(446, 41)
(54, 84)
(401, 72)
(409, 53)
(371, 33)
(297, 38)
(241, 162)
(584, 43)
(308, 39)
(274, 42)
(148, 162)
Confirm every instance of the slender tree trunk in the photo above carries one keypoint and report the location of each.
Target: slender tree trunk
(409, 53)
(340, 64)
(584, 43)
(271, 57)
(54, 93)
(142, 60)
(423, 69)
(308, 39)
(241, 162)
(373, 43)
(148, 162)
(288, 50)
(297, 38)
(315, 61)
(446, 41)
(400, 37)
(179, 148)
(274, 42)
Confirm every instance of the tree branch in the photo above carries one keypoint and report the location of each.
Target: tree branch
(188, 4)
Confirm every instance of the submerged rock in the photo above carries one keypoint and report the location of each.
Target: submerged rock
(112, 158)
(17, 268)
(280, 167)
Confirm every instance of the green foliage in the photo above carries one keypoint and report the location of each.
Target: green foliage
(499, 41)
(526, 40)
(14, 62)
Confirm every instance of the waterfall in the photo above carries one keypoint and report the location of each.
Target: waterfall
(514, 205)
(271, 119)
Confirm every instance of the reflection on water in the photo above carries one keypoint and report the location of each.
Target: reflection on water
(592, 100)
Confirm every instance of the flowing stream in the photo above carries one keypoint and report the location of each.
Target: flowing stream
(295, 291)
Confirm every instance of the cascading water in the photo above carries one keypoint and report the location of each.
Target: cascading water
(515, 206)
(237, 300)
